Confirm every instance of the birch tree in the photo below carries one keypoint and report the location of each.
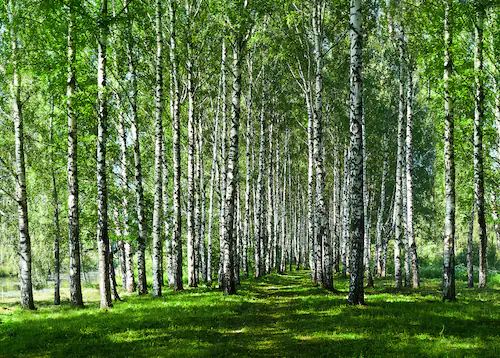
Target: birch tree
(356, 290)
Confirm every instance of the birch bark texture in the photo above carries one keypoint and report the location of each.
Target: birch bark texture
(75, 284)
(478, 141)
(21, 198)
(448, 285)
(102, 189)
(157, 203)
(356, 290)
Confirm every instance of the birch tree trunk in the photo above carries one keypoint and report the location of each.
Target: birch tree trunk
(202, 205)
(356, 290)
(102, 190)
(270, 204)
(191, 254)
(223, 162)
(174, 112)
(323, 273)
(449, 162)
(398, 204)
(478, 143)
(75, 283)
(337, 223)
(211, 197)
(158, 201)
(409, 182)
(470, 266)
(380, 218)
(366, 205)
(248, 137)
(259, 212)
(229, 284)
(57, 228)
(129, 278)
(345, 208)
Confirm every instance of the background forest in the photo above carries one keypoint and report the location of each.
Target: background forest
(183, 100)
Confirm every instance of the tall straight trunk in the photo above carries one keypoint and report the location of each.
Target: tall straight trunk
(366, 205)
(406, 248)
(380, 218)
(276, 209)
(57, 227)
(324, 273)
(283, 218)
(229, 284)
(398, 204)
(478, 144)
(191, 254)
(470, 266)
(167, 215)
(311, 209)
(345, 210)
(75, 283)
(336, 205)
(223, 162)
(495, 48)
(102, 189)
(175, 115)
(449, 162)
(356, 290)
(409, 183)
(211, 196)
(201, 205)
(139, 190)
(248, 173)
(22, 202)
(158, 201)
(129, 278)
(259, 199)
(270, 203)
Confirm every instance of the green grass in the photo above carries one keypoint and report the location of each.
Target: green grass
(282, 316)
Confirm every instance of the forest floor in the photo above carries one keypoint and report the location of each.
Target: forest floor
(281, 316)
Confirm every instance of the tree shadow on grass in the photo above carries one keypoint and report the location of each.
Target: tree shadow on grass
(275, 316)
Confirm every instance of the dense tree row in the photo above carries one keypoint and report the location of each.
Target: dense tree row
(300, 134)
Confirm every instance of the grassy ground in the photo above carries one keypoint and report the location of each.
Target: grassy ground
(283, 316)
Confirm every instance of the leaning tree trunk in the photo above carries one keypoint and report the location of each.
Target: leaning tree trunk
(478, 145)
(75, 283)
(176, 197)
(449, 164)
(157, 204)
(102, 189)
(22, 202)
(409, 182)
(356, 290)
(229, 284)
